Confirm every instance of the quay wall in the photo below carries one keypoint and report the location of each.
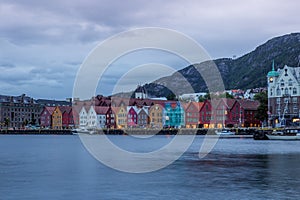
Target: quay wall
(182, 131)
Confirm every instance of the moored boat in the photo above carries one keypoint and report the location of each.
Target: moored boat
(285, 134)
(225, 132)
(83, 131)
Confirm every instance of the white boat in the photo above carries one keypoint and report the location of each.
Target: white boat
(82, 130)
(225, 132)
(287, 134)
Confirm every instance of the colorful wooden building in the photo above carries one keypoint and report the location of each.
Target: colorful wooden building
(192, 114)
(57, 119)
(46, 117)
(156, 116)
(174, 115)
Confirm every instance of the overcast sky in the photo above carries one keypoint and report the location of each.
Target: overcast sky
(43, 43)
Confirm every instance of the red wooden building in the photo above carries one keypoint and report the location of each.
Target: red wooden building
(46, 117)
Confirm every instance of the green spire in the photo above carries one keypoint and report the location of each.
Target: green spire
(273, 72)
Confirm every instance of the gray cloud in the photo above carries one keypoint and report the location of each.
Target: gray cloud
(44, 42)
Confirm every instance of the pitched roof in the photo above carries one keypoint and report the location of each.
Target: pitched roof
(200, 104)
(115, 109)
(101, 110)
(196, 105)
(65, 109)
(229, 102)
(50, 109)
(249, 104)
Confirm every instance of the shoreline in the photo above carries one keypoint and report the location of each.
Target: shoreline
(238, 132)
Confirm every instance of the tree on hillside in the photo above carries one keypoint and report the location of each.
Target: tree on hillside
(214, 96)
(171, 97)
(203, 98)
(226, 95)
(262, 110)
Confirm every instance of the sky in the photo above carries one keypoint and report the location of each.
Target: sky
(44, 43)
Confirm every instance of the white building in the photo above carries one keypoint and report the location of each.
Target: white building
(97, 117)
(92, 118)
(102, 112)
(140, 93)
(83, 117)
(283, 95)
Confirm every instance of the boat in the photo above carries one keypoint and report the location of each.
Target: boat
(285, 134)
(82, 130)
(225, 132)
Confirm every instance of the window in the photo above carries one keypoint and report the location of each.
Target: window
(286, 91)
(278, 100)
(295, 109)
(294, 90)
(290, 82)
(278, 92)
(295, 99)
(282, 82)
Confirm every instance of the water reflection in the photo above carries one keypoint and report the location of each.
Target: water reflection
(269, 175)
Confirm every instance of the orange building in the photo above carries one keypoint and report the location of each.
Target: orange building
(57, 119)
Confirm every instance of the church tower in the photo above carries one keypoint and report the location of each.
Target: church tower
(272, 80)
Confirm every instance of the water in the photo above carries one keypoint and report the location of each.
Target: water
(59, 167)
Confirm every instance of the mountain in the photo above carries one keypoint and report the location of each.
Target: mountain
(248, 71)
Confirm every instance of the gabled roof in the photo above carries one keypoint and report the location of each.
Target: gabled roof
(153, 107)
(101, 110)
(50, 109)
(249, 104)
(132, 107)
(64, 109)
(115, 109)
(230, 102)
(214, 102)
(196, 105)
(200, 104)
(144, 109)
(227, 102)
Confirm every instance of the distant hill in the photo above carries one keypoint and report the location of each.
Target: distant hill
(248, 71)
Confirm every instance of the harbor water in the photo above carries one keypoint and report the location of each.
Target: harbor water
(59, 167)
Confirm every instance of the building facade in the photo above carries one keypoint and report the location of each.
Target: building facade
(19, 111)
(206, 115)
(174, 115)
(57, 119)
(102, 113)
(46, 117)
(192, 114)
(83, 117)
(283, 96)
(156, 116)
(122, 117)
(143, 117)
(132, 116)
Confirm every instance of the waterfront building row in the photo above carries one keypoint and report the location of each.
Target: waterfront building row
(116, 112)
(218, 113)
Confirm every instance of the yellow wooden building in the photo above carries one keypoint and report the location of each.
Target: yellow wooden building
(122, 117)
(57, 119)
(156, 116)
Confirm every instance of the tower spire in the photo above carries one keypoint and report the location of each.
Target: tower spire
(273, 65)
